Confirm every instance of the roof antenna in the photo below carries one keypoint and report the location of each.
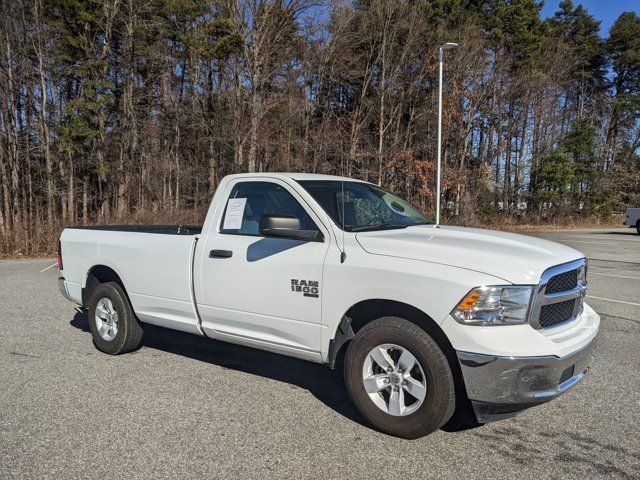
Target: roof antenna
(343, 254)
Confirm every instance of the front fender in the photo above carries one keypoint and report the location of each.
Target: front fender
(434, 289)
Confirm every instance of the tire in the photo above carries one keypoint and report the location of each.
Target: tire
(638, 227)
(431, 369)
(115, 334)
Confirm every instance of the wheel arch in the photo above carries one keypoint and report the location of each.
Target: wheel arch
(97, 275)
(365, 311)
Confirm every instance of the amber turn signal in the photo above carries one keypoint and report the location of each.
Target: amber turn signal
(470, 300)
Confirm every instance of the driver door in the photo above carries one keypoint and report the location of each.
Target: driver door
(260, 290)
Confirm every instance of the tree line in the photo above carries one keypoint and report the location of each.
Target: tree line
(133, 110)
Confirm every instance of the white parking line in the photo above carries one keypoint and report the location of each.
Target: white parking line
(50, 266)
(563, 238)
(609, 260)
(604, 236)
(584, 241)
(612, 300)
(591, 272)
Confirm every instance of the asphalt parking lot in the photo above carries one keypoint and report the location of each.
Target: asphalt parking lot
(184, 406)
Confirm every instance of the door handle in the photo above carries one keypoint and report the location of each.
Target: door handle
(220, 254)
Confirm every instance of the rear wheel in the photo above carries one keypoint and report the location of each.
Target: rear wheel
(114, 326)
(399, 379)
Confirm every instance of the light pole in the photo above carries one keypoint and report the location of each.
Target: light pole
(446, 46)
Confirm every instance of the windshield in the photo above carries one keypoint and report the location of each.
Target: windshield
(362, 206)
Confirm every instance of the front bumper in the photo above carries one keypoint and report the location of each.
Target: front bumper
(499, 387)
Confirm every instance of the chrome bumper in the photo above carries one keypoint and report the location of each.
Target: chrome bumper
(500, 387)
(63, 289)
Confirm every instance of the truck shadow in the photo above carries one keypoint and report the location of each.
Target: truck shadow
(323, 383)
(266, 247)
(631, 232)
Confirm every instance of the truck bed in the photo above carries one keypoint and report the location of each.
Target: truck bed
(152, 262)
(158, 229)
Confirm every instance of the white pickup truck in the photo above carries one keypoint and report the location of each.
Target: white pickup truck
(422, 318)
(632, 218)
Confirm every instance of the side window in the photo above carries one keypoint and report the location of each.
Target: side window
(248, 201)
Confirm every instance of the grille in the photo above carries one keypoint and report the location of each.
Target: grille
(558, 298)
(556, 312)
(562, 282)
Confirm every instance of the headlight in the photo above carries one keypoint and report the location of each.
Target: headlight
(494, 305)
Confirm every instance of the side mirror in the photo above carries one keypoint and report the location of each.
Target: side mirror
(286, 226)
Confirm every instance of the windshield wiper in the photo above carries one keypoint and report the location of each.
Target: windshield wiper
(380, 226)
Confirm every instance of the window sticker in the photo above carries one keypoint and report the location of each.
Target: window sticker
(235, 214)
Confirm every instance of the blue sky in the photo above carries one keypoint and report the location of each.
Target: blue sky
(604, 10)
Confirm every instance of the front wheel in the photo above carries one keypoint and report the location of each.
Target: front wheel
(399, 378)
(114, 326)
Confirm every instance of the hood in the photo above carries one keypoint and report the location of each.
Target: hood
(515, 258)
